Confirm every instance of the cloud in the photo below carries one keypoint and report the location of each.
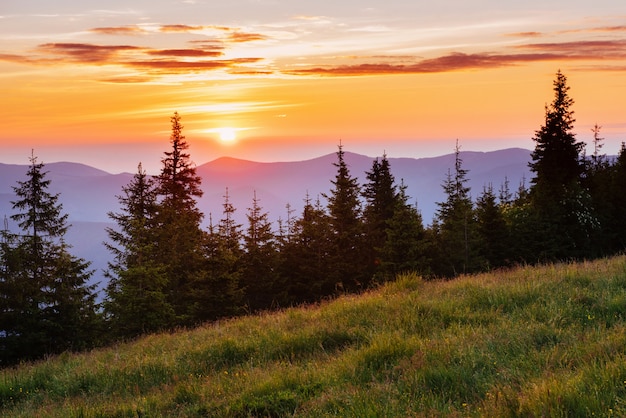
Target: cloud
(180, 28)
(250, 72)
(119, 30)
(610, 29)
(127, 79)
(596, 29)
(452, 62)
(240, 37)
(580, 50)
(186, 52)
(235, 34)
(175, 66)
(525, 34)
(86, 53)
(18, 59)
(152, 62)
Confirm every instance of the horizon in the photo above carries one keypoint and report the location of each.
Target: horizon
(286, 81)
(157, 168)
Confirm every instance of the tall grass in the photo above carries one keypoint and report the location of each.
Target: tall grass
(534, 341)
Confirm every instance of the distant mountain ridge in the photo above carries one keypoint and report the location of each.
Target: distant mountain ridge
(88, 193)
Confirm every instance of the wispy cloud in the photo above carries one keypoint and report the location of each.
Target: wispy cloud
(525, 34)
(180, 28)
(611, 29)
(615, 48)
(220, 48)
(241, 37)
(182, 66)
(195, 53)
(119, 30)
(152, 62)
(457, 61)
(86, 53)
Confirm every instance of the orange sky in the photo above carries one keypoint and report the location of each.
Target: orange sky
(291, 79)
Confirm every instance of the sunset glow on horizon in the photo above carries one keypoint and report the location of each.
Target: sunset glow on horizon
(272, 80)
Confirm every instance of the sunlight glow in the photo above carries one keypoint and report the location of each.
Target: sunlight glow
(227, 135)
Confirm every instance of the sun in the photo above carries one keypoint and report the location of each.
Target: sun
(227, 135)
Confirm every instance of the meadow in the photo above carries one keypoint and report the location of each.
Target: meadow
(530, 341)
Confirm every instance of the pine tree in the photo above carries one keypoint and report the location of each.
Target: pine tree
(348, 259)
(563, 218)
(47, 304)
(492, 230)
(456, 225)
(404, 249)
(136, 301)
(616, 224)
(598, 181)
(598, 161)
(260, 278)
(381, 199)
(216, 290)
(305, 267)
(180, 237)
(229, 229)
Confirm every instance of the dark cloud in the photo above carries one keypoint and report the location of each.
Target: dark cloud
(121, 30)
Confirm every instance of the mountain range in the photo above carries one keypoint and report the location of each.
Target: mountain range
(88, 193)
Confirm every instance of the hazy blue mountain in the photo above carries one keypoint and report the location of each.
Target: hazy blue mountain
(88, 194)
(277, 184)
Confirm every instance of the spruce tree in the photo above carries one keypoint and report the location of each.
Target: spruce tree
(180, 237)
(347, 258)
(598, 181)
(492, 229)
(47, 305)
(381, 201)
(456, 224)
(260, 278)
(216, 290)
(616, 224)
(405, 248)
(136, 299)
(305, 268)
(563, 219)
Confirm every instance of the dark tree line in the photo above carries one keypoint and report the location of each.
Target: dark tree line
(46, 305)
(169, 271)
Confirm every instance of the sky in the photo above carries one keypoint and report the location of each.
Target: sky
(284, 80)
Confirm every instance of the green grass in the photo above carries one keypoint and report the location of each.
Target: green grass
(545, 341)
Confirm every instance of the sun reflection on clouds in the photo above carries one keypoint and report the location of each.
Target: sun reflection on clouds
(381, 70)
(232, 108)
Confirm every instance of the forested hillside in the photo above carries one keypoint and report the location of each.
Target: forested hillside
(174, 265)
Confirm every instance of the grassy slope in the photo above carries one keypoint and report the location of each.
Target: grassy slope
(547, 341)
